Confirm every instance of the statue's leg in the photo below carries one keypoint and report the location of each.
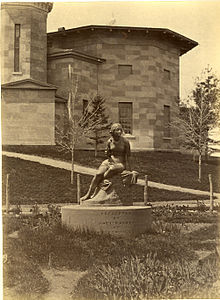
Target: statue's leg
(97, 179)
(113, 170)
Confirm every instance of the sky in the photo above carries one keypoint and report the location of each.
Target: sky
(198, 20)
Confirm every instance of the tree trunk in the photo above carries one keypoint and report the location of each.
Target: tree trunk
(72, 164)
(96, 144)
(206, 153)
(200, 167)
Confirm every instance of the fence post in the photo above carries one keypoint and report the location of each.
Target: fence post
(78, 188)
(145, 190)
(7, 194)
(211, 192)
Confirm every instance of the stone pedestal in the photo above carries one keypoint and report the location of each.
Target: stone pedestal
(116, 220)
(116, 191)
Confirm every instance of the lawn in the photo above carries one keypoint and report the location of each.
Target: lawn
(162, 263)
(164, 167)
(31, 183)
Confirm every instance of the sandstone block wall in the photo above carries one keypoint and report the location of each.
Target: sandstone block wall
(147, 88)
(28, 117)
(85, 72)
(33, 42)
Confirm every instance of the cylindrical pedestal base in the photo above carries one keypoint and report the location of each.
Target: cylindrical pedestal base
(121, 221)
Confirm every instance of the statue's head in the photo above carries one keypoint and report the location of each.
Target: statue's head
(116, 130)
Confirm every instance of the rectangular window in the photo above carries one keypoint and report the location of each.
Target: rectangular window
(124, 69)
(85, 104)
(125, 116)
(166, 74)
(17, 47)
(166, 121)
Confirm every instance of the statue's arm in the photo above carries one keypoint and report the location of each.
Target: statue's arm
(128, 163)
(128, 156)
(108, 149)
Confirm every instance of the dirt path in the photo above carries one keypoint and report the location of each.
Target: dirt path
(62, 283)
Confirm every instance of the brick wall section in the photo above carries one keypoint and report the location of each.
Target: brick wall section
(28, 117)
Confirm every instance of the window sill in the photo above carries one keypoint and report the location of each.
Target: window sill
(17, 73)
(130, 136)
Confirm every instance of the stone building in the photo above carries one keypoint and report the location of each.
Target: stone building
(136, 69)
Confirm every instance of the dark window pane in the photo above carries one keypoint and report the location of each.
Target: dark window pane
(125, 116)
(17, 47)
(166, 120)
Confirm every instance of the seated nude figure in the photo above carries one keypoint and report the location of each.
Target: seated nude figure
(118, 153)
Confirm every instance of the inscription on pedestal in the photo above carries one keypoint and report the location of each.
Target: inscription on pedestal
(122, 221)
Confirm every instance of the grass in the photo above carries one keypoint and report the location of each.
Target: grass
(184, 214)
(20, 271)
(149, 278)
(164, 167)
(166, 251)
(31, 183)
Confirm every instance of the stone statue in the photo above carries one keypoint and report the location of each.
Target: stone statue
(114, 174)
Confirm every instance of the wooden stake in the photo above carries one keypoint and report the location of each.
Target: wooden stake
(7, 194)
(145, 190)
(211, 192)
(78, 188)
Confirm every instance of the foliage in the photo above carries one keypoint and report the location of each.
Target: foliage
(166, 253)
(20, 272)
(96, 116)
(208, 89)
(184, 214)
(199, 115)
(148, 278)
(74, 249)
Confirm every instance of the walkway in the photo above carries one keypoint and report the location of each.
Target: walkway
(91, 171)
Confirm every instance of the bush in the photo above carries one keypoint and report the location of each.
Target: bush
(184, 214)
(45, 237)
(147, 278)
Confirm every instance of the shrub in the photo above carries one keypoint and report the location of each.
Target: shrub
(45, 237)
(184, 214)
(147, 278)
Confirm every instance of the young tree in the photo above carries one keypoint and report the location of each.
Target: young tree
(96, 115)
(207, 88)
(199, 115)
(74, 128)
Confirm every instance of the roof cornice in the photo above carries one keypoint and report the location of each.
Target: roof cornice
(35, 84)
(63, 53)
(186, 44)
(44, 6)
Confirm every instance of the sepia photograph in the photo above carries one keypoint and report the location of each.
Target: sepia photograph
(110, 150)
